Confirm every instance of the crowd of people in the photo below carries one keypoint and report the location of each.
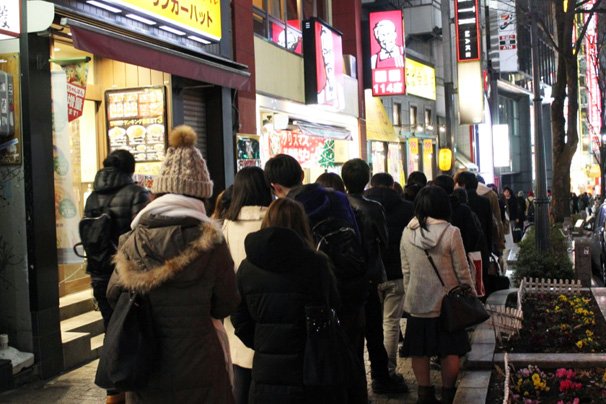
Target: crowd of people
(229, 291)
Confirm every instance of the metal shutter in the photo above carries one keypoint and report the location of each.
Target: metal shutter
(194, 115)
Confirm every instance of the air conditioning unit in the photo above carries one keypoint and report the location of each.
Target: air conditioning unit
(422, 20)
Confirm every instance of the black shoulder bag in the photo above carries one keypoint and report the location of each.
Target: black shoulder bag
(460, 307)
(131, 348)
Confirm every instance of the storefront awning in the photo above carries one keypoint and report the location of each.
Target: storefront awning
(321, 130)
(214, 70)
(378, 126)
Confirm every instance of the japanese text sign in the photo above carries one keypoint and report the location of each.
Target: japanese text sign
(387, 53)
(202, 17)
(467, 22)
(77, 74)
(508, 43)
(10, 18)
(420, 79)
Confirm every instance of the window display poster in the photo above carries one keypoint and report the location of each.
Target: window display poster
(10, 124)
(248, 153)
(309, 151)
(77, 74)
(136, 121)
(66, 210)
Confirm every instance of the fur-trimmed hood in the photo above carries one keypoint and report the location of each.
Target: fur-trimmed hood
(161, 247)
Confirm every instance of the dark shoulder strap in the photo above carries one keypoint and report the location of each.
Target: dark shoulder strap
(433, 265)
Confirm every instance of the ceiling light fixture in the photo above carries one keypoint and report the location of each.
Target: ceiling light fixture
(140, 19)
(104, 6)
(172, 30)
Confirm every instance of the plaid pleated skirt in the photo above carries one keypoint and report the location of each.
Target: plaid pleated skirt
(425, 337)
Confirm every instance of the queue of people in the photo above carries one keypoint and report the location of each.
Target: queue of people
(230, 292)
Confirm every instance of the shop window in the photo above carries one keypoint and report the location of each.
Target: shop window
(428, 120)
(280, 20)
(413, 117)
(396, 113)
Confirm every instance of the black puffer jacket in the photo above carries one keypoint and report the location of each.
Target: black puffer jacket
(373, 229)
(398, 213)
(128, 200)
(277, 279)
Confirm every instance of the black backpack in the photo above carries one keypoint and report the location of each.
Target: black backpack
(96, 235)
(337, 239)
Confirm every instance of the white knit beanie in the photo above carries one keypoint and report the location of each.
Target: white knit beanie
(183, 170)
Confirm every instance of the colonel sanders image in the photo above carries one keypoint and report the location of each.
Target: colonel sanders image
(329, 93)
(391, 54)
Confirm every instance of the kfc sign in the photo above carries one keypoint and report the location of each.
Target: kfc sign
(387, 53)
(467, 23)
(323, 61)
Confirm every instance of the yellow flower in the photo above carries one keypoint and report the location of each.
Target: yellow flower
(562, 298)
(536, 378)
(589, 333)
(579, 344)
(604, 377)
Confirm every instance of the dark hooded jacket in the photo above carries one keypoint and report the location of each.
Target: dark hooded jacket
(185, 267)
(319, 204)
(125, 199)
(398, 213)
(279, 277)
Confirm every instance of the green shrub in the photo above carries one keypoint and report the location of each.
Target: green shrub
(553, 264)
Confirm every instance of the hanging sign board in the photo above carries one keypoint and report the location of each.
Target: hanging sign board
(77, 74)
(508, 40)
(387, 53)
(10, 19)
(420, 79)
(467, 23)
(323, 62)
(202, 17)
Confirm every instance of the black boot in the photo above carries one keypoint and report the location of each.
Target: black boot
(448, 394)
(427, 395)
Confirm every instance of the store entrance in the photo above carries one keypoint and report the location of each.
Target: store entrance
(98, 105)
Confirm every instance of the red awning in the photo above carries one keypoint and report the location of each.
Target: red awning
(137, 52)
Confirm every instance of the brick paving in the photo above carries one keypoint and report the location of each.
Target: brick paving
(77, 386)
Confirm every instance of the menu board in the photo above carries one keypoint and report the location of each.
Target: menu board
(136, 121)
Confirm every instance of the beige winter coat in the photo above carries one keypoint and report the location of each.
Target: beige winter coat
(423, 290)
(498, 232)
(249, 220)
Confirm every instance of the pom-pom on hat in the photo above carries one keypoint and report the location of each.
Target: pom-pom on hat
(183, 170)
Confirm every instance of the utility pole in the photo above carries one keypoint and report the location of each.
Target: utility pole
(448, 78)
(541, 202)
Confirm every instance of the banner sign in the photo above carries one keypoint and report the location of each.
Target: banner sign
(420, 79)
(289, 37)
(10, 110)
(77, 74)
(323, 61)
(202, 17)
(467, 23)
(507, 32)
(10, 19)
(594, 113)
(387, 53)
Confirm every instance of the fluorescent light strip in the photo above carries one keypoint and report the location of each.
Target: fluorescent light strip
(140, 19)
(170, 29)
(198, 39)
(104, 6)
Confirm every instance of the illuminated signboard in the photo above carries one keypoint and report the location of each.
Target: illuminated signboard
(288, 37)
(10, 19)
(387, 53)
(467, 21)
(323, 51)
(202, 17)
(420, 79)
(508, 36)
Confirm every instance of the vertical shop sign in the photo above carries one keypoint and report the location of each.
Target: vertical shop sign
(10, 19)
(66, 211)
(591, 80)
(323, 61)
(413, 154)
(467, 24)
(507, 32)
(77, 74)
(10, 123)
(387, 53)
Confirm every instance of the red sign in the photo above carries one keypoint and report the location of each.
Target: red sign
(387, 53)
(304, 148)
(290, 38)
(323, 61)
(77, 74)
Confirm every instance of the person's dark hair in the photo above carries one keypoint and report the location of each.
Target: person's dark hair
(480, 179)
(445, 182)
(461, 195)
(331, 180)
(493, 187)
(417, 177)
(432, 202)
(284, 170)
(508, 189)
(467, 180)
(398, 188)
(382, 180)
(250, 189)
(410, 191)
(222, 203)
(121, 160)
(288, 213)
(356, 174)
